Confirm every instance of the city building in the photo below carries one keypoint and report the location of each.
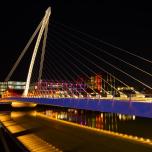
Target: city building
(93, 83)
(11, 86)
(96, 83)
(52, 88)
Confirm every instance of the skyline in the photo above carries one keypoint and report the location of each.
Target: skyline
(121, 29)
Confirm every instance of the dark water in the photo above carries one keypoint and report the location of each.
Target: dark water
(130, 125)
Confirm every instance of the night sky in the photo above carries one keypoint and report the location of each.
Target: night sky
(124, 24)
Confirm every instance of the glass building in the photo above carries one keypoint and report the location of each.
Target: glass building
(11, 85)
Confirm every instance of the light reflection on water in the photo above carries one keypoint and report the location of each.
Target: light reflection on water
(106, 121)
(120, 123)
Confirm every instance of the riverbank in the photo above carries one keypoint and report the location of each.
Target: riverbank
(35, 129)
(8, 142)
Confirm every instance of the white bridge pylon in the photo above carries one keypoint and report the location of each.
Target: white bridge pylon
(43, 29)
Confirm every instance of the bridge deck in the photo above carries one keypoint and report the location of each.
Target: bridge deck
(143, 109)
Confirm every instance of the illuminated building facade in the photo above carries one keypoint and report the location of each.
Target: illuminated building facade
(94, 82)
(56, 88)
(11, 85)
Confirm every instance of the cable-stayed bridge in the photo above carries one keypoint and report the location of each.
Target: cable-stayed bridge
(72, 69)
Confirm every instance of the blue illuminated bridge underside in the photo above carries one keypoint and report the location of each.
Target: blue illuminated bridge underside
(143, 109)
